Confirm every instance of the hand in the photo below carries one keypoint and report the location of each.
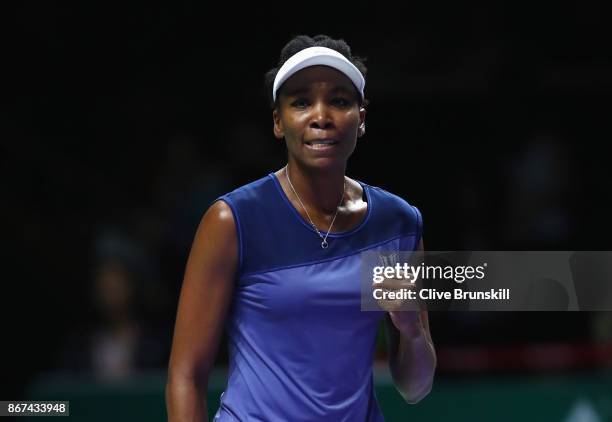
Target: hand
(397, 294)
(405, 313)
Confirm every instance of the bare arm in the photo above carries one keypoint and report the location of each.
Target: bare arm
(412, 357)
(204, 300)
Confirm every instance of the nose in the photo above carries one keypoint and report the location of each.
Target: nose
(321, 118)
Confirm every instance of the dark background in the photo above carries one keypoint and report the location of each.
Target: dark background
(122, 123)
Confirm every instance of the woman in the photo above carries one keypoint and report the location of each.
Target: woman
(278, 262)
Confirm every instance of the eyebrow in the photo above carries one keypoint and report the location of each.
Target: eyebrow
(296, 91)
(343, 89)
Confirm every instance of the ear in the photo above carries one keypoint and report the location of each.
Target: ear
(361, 130)
(279, 131)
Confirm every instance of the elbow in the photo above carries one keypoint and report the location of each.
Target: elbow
(415, 391)
(187, 373)
(413, 397)
(181, 385)
(181, 381)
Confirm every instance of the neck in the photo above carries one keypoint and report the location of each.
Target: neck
(318, 189)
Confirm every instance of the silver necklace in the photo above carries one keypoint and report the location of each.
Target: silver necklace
(324, 243)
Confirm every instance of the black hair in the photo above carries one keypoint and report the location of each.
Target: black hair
(301, 42)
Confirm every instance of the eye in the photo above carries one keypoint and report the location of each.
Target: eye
(341, 102)
(300, 103)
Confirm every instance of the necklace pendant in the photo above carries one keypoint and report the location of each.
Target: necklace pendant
(324, 243)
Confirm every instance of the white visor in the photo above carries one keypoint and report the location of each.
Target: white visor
(314, 56)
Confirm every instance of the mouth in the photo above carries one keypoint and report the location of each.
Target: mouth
(321, 144)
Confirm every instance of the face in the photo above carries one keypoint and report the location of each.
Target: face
(113, 288)
(319, 117)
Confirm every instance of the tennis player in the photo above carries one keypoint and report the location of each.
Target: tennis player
(277, 263)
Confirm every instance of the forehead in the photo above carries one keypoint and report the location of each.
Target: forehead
(317, 77)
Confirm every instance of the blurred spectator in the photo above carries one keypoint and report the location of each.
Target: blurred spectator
(120, 339)
(114, 342)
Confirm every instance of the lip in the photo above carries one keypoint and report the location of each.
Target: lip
(312, 144)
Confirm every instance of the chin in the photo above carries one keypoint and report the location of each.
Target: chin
(325, 163)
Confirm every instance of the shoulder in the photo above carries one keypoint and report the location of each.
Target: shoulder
(241, 212)
(219, 214)
(392, 210)
(392, 203)
(217, 228)
(215, 244)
